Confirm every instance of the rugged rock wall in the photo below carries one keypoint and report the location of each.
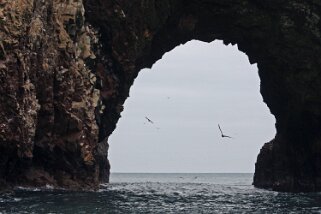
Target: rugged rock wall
(283, 37)
(65, 76)
(48, 130)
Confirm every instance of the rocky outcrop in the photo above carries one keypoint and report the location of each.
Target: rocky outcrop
(282, 37)
(48, 130)
(67, 66)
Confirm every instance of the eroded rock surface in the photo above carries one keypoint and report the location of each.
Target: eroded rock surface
(283, 37)
(64, 77)
(48, 130)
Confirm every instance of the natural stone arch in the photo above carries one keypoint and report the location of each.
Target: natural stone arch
(55, 118)
(283, 38)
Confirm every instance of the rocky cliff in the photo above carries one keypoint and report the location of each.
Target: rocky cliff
(48, 97)
(66, 67)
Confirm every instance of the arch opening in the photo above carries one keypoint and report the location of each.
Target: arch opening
(186, 94)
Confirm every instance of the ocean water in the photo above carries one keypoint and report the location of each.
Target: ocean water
(163, 193)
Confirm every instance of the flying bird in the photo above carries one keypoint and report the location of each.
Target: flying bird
(223, 135)
(149, 120)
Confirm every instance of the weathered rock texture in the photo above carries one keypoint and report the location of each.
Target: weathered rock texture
(48, 132)
(64, 77)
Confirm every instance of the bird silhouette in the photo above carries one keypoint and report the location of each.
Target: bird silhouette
(223, 135)
(149, 120)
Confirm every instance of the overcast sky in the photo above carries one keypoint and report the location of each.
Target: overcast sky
(187, 94)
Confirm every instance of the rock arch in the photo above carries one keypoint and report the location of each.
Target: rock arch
(66, 68)
(282, 37)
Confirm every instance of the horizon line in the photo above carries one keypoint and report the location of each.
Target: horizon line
(185, 172)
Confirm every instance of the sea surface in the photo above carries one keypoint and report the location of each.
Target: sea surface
(163, 193)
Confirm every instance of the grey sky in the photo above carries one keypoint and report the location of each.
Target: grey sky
(187, 93)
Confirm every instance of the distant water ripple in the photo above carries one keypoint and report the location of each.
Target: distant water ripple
(164, 193)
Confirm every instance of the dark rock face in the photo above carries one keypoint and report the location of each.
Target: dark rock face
(48, 130)
(63, 82)
(283, 37)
